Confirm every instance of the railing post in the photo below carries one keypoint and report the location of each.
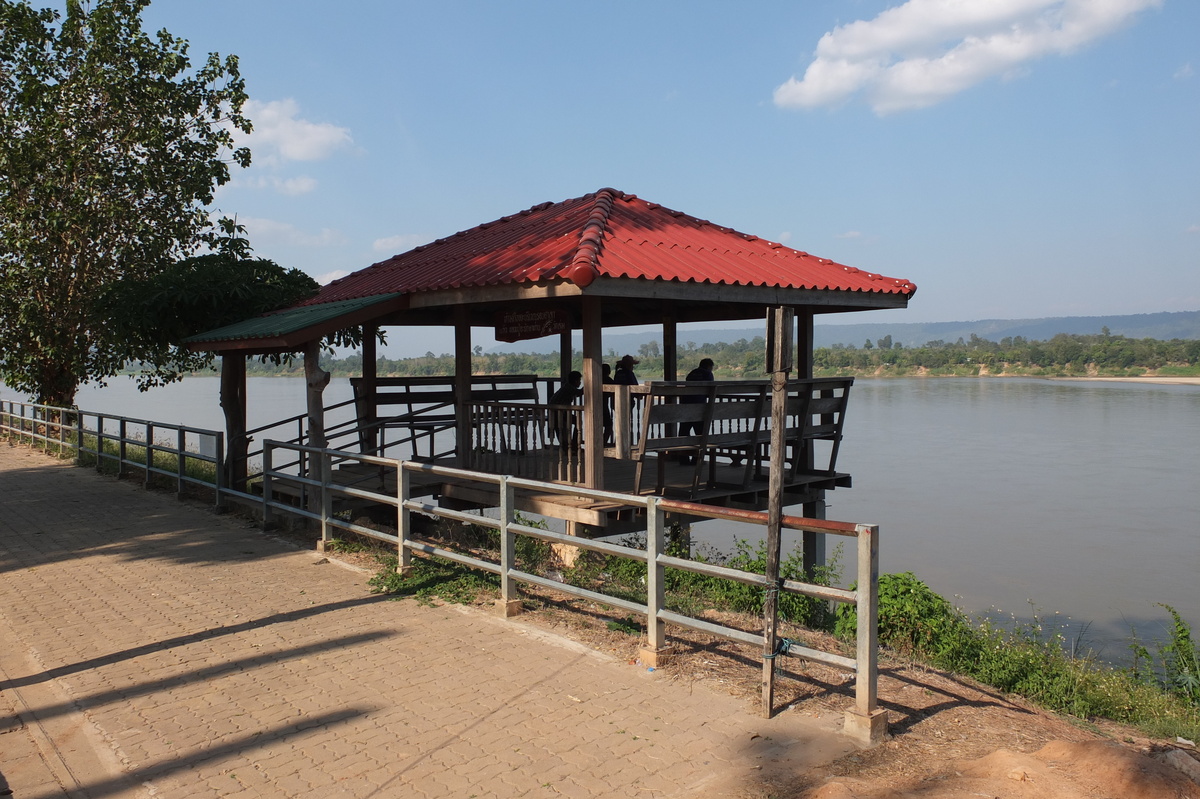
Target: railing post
(123, 438)
(655, 650)
(403, 522)
(99, 441)
(149, 451)
(79, 438)
(509, 603)
(266, 485)
(219, 478)
(867, 723)
(180, 461)
(326, 474)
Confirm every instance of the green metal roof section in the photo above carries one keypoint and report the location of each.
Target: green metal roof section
(282, 323)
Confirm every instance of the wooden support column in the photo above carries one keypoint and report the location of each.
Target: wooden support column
(670, 348)
(812, 544)
(368, 404)
(593, 396)
(779, 341)
(462, 387)
(316, 379)
(233, 403)
(566, 354)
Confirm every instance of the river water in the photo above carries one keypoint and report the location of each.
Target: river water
(1080, 499)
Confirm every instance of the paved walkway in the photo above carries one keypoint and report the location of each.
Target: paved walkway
(151, 648)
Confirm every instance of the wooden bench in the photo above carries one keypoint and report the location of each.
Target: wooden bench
(716, 415)
(816, 411)
(427, 404)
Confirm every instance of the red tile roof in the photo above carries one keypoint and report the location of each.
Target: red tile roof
(607, 234)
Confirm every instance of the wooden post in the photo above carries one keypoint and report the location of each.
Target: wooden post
(315, 379)
(670, 348)
(593, 395)
(368, 405)
(462, 387)
(565, 356)
(233, 404)
(779, 333)
(812, 544)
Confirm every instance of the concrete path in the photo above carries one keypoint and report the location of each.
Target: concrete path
(151, 648)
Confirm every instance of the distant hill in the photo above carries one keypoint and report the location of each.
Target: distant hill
(1165, 326)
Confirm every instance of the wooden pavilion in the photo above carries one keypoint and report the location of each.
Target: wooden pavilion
(593, 263)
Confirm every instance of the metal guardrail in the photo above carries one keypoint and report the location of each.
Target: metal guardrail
(121, 441)
(866, 714)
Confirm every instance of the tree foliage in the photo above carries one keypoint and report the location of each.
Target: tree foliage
(111, 146)
(149, 316)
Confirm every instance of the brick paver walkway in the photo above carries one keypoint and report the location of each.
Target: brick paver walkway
(151, 648)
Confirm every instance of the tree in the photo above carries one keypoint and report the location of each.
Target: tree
(149, 316)
(111, 146)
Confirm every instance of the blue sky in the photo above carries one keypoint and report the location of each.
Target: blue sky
(1013, 158)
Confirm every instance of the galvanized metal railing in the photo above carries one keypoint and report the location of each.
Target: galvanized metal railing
(866, 714)
(120, 441)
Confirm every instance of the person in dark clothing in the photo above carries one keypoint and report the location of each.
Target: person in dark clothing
(624, 375)
(701, 374)
(560, 420)
(607, 379)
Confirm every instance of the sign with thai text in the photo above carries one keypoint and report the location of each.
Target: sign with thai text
(522, 325)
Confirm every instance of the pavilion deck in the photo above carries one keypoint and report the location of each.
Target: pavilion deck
(589, 517)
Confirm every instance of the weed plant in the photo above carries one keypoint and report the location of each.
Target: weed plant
(1158, 695)
(434, 578)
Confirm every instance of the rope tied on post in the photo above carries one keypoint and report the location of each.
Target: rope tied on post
(782, 647)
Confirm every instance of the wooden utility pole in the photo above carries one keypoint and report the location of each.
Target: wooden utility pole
(779, 359)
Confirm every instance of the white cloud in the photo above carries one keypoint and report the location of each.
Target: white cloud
(270, 231)
(1184, 71)
(329, 277)
(1193, 229)
(920, 53)
(850, 234)
(397, 244)
(292, 187)
(284, 136)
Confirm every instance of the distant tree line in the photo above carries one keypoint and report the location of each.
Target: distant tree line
(1064, 355)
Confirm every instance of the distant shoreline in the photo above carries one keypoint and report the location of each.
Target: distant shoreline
(1170, 381)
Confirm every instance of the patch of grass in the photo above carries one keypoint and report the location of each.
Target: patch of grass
(435, 578)
(1028, 659)
(627, 625)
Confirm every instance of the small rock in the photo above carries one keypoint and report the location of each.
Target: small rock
(1183, 762)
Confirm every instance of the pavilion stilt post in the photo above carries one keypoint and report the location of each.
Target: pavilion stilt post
(367, 406)
(233, 403)
(812, 544)
(316, 379)
(462, 387)
(779, 328)
(593, 395)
